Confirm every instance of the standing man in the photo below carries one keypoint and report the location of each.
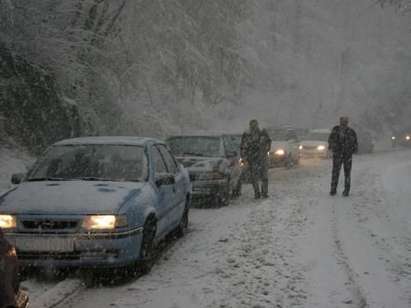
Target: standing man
(343, 143)
(255, 143)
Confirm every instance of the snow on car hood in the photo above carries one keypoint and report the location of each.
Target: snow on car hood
(196, 163)
(275, 145)
(314, 143)
(68, 197)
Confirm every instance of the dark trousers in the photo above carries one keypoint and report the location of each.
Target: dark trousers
(340, 160)
(259, 172)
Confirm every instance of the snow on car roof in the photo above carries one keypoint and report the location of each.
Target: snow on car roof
(120, 140)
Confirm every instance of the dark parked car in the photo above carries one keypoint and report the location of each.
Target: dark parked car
(213, 164)
(10, 294)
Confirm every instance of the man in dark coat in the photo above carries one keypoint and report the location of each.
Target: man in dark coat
(8, 273)
(343, 144)
(255, 143)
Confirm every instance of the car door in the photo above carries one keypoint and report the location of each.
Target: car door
(231, 153)
(165, 192)
(179, 201)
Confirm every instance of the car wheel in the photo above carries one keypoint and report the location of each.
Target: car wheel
(223, 197)
(147, 250)
(183, 225)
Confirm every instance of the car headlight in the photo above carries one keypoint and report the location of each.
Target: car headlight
(241, 162)
(12, 252)
(104, 222)
(7, 222)
(321, 148)
(408, 138)
(280, 152)
(393, 138)
(300, 147)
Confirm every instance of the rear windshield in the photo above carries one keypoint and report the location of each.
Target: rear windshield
(195, 146)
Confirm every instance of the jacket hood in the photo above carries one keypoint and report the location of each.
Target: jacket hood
(68, 197)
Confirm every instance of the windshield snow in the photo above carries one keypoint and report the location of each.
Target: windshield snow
(92, 162)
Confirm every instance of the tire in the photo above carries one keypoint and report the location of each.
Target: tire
(223, 198)
(183, 225)
(147, 250)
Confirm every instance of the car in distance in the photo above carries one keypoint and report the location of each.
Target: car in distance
(315, 144)
(96, 202)
(284, 147)
(213, 164)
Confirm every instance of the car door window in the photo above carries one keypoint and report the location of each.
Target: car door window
(168, 159)
(159, 165)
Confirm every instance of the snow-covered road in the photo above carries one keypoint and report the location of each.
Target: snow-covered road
(300, 248)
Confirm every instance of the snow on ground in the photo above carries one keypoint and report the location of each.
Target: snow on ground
(299, 248)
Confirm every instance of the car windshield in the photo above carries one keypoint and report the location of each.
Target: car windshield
(195, 146)
(317, 136)
(92, 162)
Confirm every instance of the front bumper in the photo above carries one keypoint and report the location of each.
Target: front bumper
(314, 153)
(203, 188)
(277, 160)
(98, 250)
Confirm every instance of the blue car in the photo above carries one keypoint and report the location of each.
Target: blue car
(97, 202)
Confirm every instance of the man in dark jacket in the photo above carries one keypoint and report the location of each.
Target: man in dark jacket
(255, 143)
(343, 144)
(8, 273)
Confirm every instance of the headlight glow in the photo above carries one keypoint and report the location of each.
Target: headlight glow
(104, 222)
(321, 148)
(393, 138)
(7, 222)
(408, 137)
(300, 147)
(12, 252)
(280, 152)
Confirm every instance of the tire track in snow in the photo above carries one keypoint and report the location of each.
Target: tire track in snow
(358, 298)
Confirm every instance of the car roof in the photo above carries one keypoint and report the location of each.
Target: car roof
(112, 140)
(206, 134)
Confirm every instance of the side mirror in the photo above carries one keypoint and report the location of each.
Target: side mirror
(165, 179)
(17, 178)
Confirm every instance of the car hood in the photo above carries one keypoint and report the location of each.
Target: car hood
(201, 164)
(314, 143)
(68, 197)
(275, 145)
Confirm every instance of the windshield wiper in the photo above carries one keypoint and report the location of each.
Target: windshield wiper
(94, 178)
(48, 179)
(192, 154)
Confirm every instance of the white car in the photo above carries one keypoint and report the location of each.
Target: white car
(315, 144)
(284, 148)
